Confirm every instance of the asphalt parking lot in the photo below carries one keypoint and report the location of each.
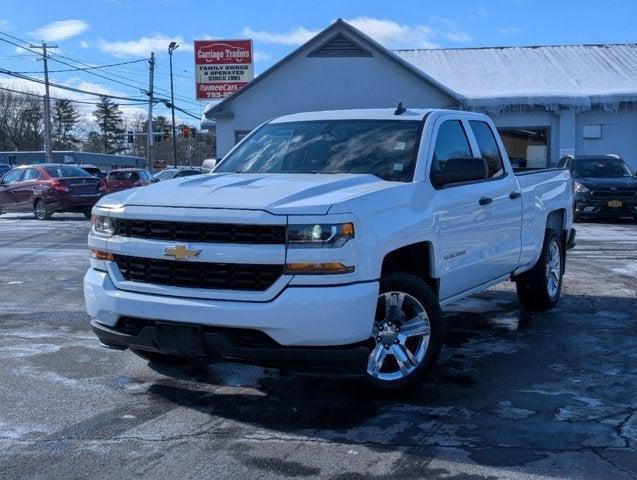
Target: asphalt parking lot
(514, 395)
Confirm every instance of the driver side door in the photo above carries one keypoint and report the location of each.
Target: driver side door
(8, 200)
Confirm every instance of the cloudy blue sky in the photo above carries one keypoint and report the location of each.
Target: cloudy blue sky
(113, 31)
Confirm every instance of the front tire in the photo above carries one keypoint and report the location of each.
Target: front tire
(407, 334)
(540, 287)
(40, 210)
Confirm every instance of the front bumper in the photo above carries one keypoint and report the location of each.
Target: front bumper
(237, 345)
(298, 316)
(589, 206)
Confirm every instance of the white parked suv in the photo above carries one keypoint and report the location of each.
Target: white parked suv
(328, 242)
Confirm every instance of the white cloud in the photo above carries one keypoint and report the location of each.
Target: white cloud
(60, 30)
(157, 42)
(296, 36)
(261, 56)
(84, 44)
(388, 32)
(479, 11)
(509, 30)
(5, 24)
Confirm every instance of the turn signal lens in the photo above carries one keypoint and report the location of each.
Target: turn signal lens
(101, 255)
(317, 268)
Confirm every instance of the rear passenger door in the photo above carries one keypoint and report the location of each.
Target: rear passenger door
(505, 209)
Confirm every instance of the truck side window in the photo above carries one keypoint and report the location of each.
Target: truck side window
(489, 150)
(451, 142)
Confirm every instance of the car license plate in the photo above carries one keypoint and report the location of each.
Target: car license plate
(615, 203)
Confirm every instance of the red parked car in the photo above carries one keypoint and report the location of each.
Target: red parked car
(125, 178)
(49, 188)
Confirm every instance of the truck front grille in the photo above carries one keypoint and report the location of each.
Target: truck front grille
(216, 276)
(619, 192)
(201, 232)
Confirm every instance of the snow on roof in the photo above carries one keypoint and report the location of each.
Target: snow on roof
(355, 114)
(495, 79)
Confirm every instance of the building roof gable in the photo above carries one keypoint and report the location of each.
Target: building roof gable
(338, 31)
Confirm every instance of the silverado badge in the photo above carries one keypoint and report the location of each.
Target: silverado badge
(181, 252)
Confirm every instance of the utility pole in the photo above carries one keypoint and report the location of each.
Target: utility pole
(151, 139)
(48, 146)
(171, 48)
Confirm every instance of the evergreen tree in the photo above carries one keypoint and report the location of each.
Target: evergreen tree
(64, 120)
(109, 121)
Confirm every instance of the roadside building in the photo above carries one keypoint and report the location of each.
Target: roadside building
(103, 161)
(547, 101)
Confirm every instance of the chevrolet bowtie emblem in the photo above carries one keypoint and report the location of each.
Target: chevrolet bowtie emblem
(181, 252)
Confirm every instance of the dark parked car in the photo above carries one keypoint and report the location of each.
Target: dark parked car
(605, 186)
(126, 178)
(49, 188)
(4, 168)
(170, 173)
(93, 170)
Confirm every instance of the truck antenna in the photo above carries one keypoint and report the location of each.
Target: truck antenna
(400, 109)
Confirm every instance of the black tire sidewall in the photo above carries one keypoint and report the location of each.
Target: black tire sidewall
(35, 210)
(407, 283)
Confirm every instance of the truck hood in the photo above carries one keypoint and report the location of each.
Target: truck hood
(303, 194)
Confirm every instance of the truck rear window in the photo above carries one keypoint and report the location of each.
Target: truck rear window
(384, 148)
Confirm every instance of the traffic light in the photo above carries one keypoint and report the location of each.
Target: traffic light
(130, 136)
(193, 133)
(158, 137)
(185, 131)
(166, 134)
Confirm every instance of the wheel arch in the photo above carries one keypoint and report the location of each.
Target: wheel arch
(416, 259)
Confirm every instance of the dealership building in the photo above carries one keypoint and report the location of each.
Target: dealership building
(547, 101)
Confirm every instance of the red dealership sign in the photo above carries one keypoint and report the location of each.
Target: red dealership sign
(222, 67)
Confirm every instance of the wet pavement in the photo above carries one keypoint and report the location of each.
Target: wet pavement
(514, 395)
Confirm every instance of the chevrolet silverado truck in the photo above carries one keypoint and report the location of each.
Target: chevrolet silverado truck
(327, 242)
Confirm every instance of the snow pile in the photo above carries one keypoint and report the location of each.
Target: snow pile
(497, 79)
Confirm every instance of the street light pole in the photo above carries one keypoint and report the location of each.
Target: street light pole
(171, 48)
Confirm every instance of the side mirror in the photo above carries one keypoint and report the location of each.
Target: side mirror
(457, 170)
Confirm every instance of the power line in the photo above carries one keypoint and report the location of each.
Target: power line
(96, 67)
(72, 89)
(69, 99)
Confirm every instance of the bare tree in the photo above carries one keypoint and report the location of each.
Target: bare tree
(21, 126)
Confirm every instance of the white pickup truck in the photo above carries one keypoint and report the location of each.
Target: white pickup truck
(327, 242)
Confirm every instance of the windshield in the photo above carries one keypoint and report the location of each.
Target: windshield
(165, 174)
(600, 168)
(66, 171)
(384, 148)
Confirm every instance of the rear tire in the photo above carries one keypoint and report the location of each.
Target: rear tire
(41, 211)
(540, 287)
(160, 358)
(407, 334)
(87, 213)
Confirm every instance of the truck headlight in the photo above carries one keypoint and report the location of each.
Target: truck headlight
(320, 235)
(578, 187)
(102, 225)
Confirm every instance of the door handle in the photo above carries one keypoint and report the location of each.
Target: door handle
(485, 200)
(514, 195)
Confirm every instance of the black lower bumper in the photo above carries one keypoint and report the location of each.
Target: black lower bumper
(590, 208)
(228, 344)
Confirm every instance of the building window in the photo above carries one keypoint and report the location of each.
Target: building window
(526, 147)
(240, 135)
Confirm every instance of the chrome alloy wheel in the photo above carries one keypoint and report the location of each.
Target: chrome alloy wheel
(401, 335)
(553, 268)
(40, 210)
